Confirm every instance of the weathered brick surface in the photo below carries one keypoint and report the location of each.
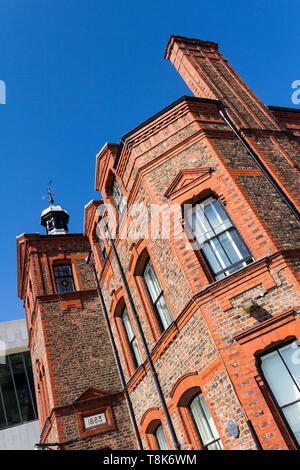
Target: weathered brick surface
(69, 338)
(214, 344)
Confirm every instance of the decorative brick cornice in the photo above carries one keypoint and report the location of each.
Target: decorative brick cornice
(89, 214)
(104, 160)
(137, 377)
(194, 44)
(68, 299)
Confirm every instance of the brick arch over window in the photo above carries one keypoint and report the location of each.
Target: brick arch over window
(191, 189)
(117, 308)
(140, 256)
(151, 419)
(187, 387)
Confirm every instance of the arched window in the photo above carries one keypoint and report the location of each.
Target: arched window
(281, 371)
(161, 440)
(159, 302)
(204, 424)
(135, 352)
(102, 249)
(219, 241)
(118, 196)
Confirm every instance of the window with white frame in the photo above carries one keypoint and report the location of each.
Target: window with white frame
(217, 238)
(161, 439)
(281, 370)
(206, 428)
(118, 197)
(135, 352)
(159, 302)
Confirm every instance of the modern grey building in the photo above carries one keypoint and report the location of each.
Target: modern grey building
(19, 428)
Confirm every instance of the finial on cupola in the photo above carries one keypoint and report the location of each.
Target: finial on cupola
(54, 218)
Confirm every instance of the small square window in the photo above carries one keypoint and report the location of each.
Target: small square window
(64, 278)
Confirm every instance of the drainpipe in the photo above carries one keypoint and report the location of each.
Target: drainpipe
(255, 157)
(140, 330)
(116, 353)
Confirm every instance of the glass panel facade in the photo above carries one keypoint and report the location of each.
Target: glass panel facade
(161, 439)
(159, 301)
(218, 239)
(17, 397)
(64, 278)
(281, 370)
(204, 423)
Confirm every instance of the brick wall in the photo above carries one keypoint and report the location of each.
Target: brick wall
(69, 342)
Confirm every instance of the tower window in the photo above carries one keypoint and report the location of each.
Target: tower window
(64, 278)
(161, 439)
(281, 371)
(136, 355)
(118, 197)
(159, 302)
(102, 249)
(204, 423)
(217, 238)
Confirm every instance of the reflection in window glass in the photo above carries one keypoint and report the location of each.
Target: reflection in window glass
(118, 197)
(164, 315)
(136, 356)
(161, 439)
(281, 370)
(17, 397)
(218, 239)
(64, 278)
(204, 423)
(22, 387)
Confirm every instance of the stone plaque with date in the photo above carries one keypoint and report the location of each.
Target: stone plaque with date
(94, 420)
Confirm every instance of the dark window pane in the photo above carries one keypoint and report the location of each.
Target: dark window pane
(103, 249)
(64, 278)
(2, 415)
(9, 396)
(22, 388)
(28, 365)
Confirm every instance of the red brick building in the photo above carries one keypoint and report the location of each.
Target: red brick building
(193, 342)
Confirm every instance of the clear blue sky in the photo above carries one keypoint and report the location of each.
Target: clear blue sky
(82, 72)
